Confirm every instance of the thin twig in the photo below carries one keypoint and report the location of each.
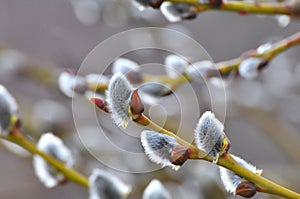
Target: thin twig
(226, 67)
(287, 8)
(263, 184)
(17, 137)
(223, 67)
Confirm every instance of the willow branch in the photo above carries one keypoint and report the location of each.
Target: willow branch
(287, 8)
(226, 67)
(223, 68)
(263, 184)
(17, 137)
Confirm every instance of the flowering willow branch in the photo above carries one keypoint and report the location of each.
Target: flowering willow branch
(288, 8)
(267, 52)
(264, 185)
(131, 107)
(17, 137)
(248, 65)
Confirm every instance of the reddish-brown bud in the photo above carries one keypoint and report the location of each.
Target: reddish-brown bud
(136, 104)
(246, 189)
(156, 3)
(216, 3)
(179, 155)
(100, 104)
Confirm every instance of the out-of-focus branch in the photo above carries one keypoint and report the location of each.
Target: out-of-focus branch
(226, 67)
(287, 8)
(17, 137)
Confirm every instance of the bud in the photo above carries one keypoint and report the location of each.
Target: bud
(70, 84)
(237, 185)
(9, 116)
(102, 104)
(53, 146)
(103, 185)
(163, 149)
(210, 136)
(176, 12)
(249, 67)
(246, 189)
(174, 65)
(123, 65)
(201, 70)
(156, 190)
(87, 11)
(118, 99)
(136, 105)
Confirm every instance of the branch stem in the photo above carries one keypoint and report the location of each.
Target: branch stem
(17, 137)
(241, 7)
(226, 161)
(230, 65)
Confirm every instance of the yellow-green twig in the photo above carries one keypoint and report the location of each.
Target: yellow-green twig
(263, 184)
(226, 67)
(18, 138)
(289, 8)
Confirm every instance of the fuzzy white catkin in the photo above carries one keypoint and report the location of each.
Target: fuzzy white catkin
(174, 65)
(231, 180)
(140, 4)
(176, 12)
(248, 69)
(103, 185)
(87, 11)
(263, 48)
(53, 146)
(158, 147)
(16, 149)
(156, 190)
(118, 99)
(123, 65)
(198, 70)
(283, 20)
(67, 81)
(8, 108)
(208, 132)
(167, 9)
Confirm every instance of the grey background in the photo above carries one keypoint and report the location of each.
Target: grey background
(49, 32)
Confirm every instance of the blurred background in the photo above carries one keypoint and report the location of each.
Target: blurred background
(262, 116)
